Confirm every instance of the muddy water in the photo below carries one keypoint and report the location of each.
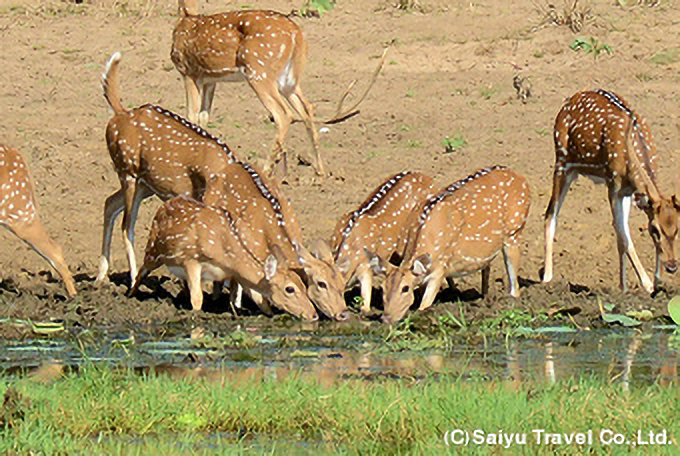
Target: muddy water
(332, 352)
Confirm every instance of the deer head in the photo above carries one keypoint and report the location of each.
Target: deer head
(325, 285)
(663, 227)
(285, 288)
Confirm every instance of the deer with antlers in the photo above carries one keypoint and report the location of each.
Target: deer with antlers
(598, 135)
(376, 226)
(264, 47)
(154, 152)
(199, 243)
(456, 232)
(18, 213)
(266, 220)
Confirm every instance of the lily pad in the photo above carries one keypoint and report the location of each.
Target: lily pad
(674, 309)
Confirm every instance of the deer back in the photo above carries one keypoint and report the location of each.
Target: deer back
(258, 43)
(17, 202)
(377, 224)
(168, 153)
(187, 230)
(263, 214)
(463, 227)
(591, 136)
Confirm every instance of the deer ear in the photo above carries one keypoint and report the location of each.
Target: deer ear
(422, 264)
(343, 265)
(642, 201)
(322, 251)
(376, 263)
(271, 264)
(303, 255)
(676, 203)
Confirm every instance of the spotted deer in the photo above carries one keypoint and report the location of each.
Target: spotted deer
(199, 243)
(19, 213)
(376, 226)
(267, 220)
(598, 135)
(265, 48)
(456, 232)
(154, 152)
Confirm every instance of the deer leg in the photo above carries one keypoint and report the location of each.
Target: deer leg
(561, 183)
(260, 301)
(192, 269)
(657, 271)
(35, 235)
(486, 272)
(434, 283)
(114, 205)
(305, 110)
(512, 255)
(620, 206)
(134, 195)
(235, 294)
(193, 99)
(270, 97)
(365, 276)
(207, 92)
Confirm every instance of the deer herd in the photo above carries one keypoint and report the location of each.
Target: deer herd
(225, 221)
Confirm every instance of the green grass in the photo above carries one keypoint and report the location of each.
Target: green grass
(105, 411)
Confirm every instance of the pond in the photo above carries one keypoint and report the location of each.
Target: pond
(330, 352)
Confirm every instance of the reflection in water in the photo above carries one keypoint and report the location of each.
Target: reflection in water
(628, 358)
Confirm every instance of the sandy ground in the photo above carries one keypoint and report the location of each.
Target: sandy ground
(449, 72)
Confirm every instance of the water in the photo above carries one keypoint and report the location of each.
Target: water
(258, 350)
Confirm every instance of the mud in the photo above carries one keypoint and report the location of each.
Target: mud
(449, 73)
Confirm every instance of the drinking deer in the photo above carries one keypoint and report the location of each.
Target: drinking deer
(18, 213)
(154, 152)
(456, 232)
(203, 243)
(598, 135)
(264, 47)
(376, 226)
(266, 219)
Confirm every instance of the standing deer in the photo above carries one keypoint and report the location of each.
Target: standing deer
(599, 136)
(456, 232)
(203, 243)
(376, 226)
(154, 152)
(266, 220)
(264, 47)
(18, 213)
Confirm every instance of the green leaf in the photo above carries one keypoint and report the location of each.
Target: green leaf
(620, 319)
(304, 354)
(642, 315)
(674, 309)
(47, 327)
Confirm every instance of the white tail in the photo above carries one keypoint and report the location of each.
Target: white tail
(376, 226)
(18, 213)
(154, 152)
(264, 47)
(598, 135)
(456, 232)
(266, 220)
(203, 243)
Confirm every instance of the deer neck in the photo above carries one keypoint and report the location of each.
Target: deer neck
(641, 175)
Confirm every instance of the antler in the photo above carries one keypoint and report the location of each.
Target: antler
(340, 116)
